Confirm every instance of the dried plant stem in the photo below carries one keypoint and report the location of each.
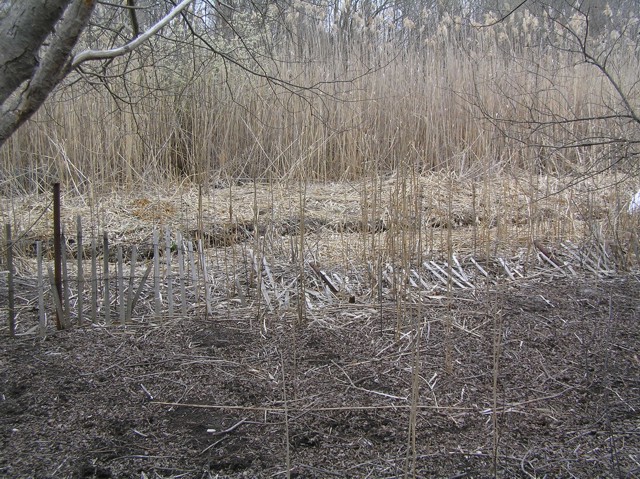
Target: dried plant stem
(496, 317)
(286, 418)
(448, 359)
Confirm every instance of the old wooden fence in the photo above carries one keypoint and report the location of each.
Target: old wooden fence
(105, 283)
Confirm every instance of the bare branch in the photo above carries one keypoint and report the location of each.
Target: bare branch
(503, 17)
(134, 19)
(89, 55)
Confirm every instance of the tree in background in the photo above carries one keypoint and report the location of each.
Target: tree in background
(596, 41)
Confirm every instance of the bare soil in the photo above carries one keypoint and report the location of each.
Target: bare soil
(527, 380)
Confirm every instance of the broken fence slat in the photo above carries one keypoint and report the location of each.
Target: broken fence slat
(323, 276)
(435, 273)
(243, 300)
(267, 270)
(583, 260)
(285, 290)
(424, 284)
(265, 295)
(480, 268)
(145, 276)
(552, 263)
(455, 272)
(506, 268)
(463, 275)
(447, 277)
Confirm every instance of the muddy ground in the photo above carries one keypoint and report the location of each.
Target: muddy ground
(244, 394)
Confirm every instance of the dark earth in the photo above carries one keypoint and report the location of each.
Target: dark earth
(532, 379)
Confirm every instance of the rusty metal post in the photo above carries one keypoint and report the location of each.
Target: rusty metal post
(57, 250)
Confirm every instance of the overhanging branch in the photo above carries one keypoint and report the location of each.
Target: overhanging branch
(88, 55)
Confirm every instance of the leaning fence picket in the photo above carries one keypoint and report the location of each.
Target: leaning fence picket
(136, 296)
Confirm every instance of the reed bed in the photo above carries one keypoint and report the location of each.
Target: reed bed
(459, 99)
(423, 128)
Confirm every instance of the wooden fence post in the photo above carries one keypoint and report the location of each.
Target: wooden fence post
(57, 248)
(183, 293)
(80, 254)
(132, 272)
(203, 264)
(66, 288)
(120, 281)
(105, 274)
(167, 239)
(156, 275)
(94, 281)
(194, 274)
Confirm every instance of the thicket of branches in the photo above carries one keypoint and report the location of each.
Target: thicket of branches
(340, 89)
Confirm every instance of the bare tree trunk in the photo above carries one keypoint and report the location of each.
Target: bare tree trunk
(22, 33)
(29, 71)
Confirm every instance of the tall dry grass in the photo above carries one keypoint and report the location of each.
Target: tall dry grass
(418, 100)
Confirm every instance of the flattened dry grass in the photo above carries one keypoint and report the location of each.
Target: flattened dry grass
(352, 222)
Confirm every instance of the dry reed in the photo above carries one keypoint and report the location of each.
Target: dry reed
(421, 105)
